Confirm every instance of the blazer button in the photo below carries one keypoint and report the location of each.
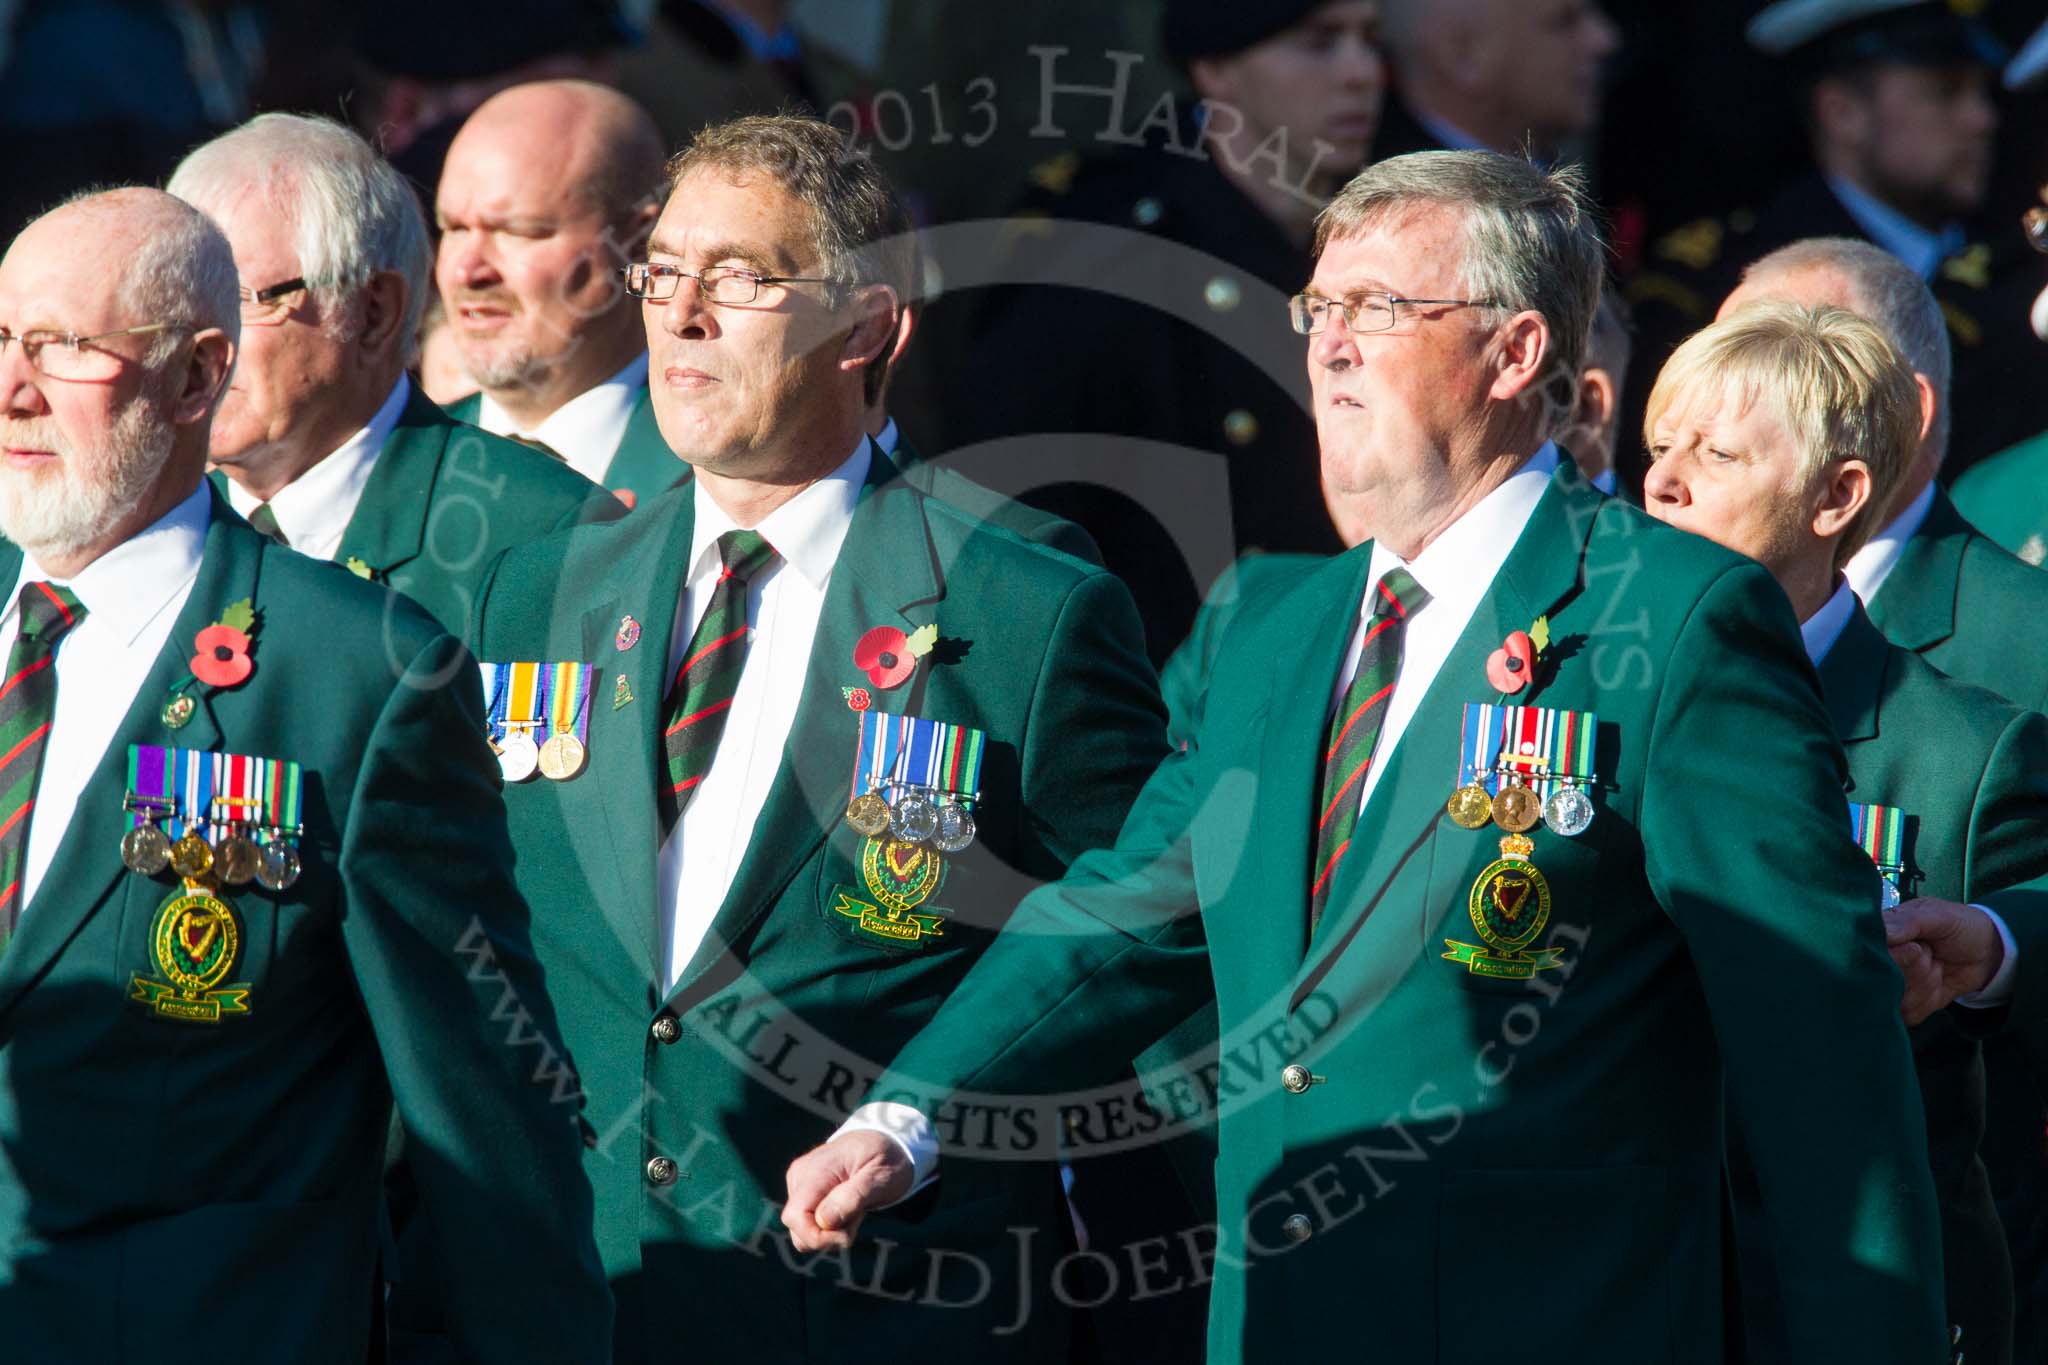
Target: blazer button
(666, 1029)
(662, 1171)
(1297, 1078)
(1297, 1228)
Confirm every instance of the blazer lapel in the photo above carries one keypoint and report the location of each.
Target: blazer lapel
(87, 868)
(1916, 606)
(887, 566)
(390, 522)
(1541, 574)
(643, 462)
(1852, 677)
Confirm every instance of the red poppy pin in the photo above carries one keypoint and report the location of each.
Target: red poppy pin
(857, 698)
(220, 659)
(889, 657)
(1513, 666)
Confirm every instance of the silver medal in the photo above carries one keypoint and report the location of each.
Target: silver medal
(518, 756)
(278, 868)
(956, 829)
(1888, 892)
(914, 819)
(146, 849)
(1568, 811)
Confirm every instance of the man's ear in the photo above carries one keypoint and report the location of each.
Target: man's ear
(906, 322)
(205, 377)
(874, 327)
(1844, 492)
(1840, 111)
(1929, 404)
(383, 300)
(1523, 349)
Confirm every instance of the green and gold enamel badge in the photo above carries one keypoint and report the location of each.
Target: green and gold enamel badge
(197, 939)
(897, 928)
(1510, 907)
(899, 878)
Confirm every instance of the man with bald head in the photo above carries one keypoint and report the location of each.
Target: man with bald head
(1499, 74)
(201, 1041)
(1931, 581)
(547, 193)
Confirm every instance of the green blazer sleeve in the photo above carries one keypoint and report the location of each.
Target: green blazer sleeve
(1744, 802)
(438, 940)
(2004, 869)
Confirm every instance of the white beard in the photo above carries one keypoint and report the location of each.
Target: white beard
(59, 511)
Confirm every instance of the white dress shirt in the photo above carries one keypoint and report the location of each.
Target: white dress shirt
(1819, 632)
(587, 429)
(132, 596)
(1457, 569)
(1868, 568)
(703, 852)
(313, 511)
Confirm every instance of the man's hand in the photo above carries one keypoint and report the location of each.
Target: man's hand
(833, 1187)
(1944, 950)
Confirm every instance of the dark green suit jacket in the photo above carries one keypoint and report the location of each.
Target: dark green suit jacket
(643, 465)
(2006, 497)
(787, 1009)
(197, 1191)
(1970, 772)
(1497, 1169)
(1964, 605)
(1184, 679)
(997, 509)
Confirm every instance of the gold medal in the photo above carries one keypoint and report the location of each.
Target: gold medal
(1516, 809)
(235, 859)
(868, 814)
(191, 856)
(1470, 806)
(561, 758)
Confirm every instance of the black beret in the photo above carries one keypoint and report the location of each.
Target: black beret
(1219, 28)
(460, 40)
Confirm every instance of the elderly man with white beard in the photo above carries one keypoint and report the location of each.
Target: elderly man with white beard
(253, 882)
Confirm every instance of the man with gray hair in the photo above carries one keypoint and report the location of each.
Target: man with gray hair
(734, 945)
(254, 884)
(1929, 579)
(322, 441)
(1471, 1052)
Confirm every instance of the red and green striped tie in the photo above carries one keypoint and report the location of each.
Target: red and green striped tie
(1355, 727)
(27, 700)
(703, 690)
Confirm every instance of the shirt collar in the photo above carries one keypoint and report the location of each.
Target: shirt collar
(128, 586)
(315, 508)
(587, 417)
(1824, 627)
(1450, 135)
(806, 531)
(1868, 568)
(888, 437)
(1460, 564)
(1919, 248)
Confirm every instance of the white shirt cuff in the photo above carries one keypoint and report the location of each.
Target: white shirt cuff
(1998, 990)
(909, 1129)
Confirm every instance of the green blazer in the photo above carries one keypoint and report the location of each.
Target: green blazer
(1495, 1169)
(1970, 773)
(997, 509)
(1184, 679)
(1964, 605)
(643, 465)
(192, 1191)
(788, 1008)
(2006, 497)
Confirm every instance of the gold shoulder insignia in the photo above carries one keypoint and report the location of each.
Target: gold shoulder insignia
(1055, 175)
(1696, 245)
(1965, 329)
(1970, 266)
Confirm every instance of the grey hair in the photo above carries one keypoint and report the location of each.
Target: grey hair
(1886, 292)
(352, 213)
(860, 230)
(182, 271)
(1531, 241)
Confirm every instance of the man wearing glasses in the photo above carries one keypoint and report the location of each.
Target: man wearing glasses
(253, 879)
(1502, 914)
(323, 442)
(735, 948)
(547, 191)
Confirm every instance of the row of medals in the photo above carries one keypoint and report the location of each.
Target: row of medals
(1569, 811)
(919, 815)
(232, 858)
(560, 758)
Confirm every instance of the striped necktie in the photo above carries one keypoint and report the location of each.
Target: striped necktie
(1355, 727)
(703, 690)
(27, 700)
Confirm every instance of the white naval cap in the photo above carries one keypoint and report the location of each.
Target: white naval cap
(2032, 62)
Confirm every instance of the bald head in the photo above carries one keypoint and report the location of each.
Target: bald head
(588, 137)
(548, 191)
(178, 267)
